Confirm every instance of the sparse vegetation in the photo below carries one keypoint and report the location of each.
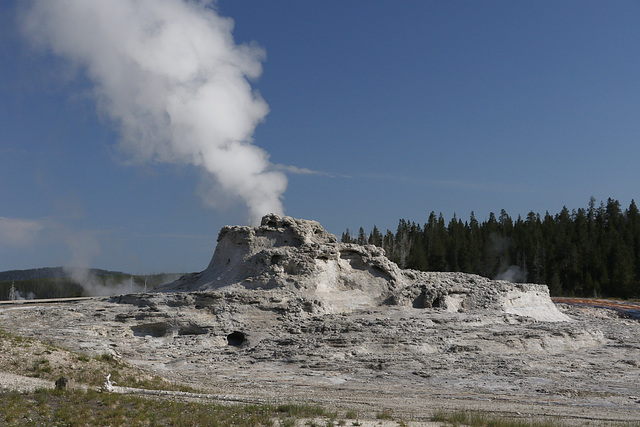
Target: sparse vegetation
(32, 358)
(82, 358)
(75, 407)
(40, 366)
(480, 419)
(385, 415)
(351, 415)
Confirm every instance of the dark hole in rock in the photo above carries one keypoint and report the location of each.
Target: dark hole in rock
(236, 339)
(152, 329)
(440, 302)
(419, 301)
(192, 330)
(276, 259)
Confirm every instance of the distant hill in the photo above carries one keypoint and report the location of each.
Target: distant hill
(56, 282)
(48, 273)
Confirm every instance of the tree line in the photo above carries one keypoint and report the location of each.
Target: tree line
(52, 283)
(593, 251)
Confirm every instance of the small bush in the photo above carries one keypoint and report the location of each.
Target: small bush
(83, 358)
(40, 366)
(386, 414)
(106, 357)
(351, 415)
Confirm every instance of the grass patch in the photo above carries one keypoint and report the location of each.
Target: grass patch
(106, 357)
(480, 419)
(351, 415)
(14, 339)
(75, 407)
(39, 367)
(297, 410)
(83, 358)
(386, 414)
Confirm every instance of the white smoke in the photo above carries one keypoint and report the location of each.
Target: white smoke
(513, 274)
(95, 286)
(28, 296)
(169, 73)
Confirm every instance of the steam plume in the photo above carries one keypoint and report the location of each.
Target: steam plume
(94, 286)
(169, 73)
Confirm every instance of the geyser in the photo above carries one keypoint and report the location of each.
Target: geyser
(294, 258)
(170, 76)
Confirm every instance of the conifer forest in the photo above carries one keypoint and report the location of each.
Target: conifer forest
(593, 251)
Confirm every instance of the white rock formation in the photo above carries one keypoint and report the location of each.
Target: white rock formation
(294, 256)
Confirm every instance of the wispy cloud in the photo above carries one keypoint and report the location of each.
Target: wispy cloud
(78, 246)
(19, 232)
(305, 171)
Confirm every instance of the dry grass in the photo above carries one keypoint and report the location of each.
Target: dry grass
(75, 407)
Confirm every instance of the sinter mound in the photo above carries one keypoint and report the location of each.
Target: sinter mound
(298, 256)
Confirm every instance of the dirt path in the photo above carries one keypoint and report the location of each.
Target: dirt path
(9, 381)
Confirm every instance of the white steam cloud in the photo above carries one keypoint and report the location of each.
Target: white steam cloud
(513, 274)
(95, 286)
(169, 73)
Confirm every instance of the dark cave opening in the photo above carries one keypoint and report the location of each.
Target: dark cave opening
(236, 339)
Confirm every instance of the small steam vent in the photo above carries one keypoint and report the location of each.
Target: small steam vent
(236, 339)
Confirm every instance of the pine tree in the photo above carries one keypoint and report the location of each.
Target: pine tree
(375, 237)
(633, 219)
(593, 251)
(346, 237)
(362, 238)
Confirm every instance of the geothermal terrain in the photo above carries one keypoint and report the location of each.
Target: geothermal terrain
(286, 313)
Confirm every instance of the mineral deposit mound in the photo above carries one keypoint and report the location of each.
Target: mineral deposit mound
(298, 258)
(286, 313)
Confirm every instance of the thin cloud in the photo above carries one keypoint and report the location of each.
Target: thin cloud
(19, 232)
(306, 171)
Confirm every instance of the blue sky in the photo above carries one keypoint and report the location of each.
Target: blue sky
(398, 109)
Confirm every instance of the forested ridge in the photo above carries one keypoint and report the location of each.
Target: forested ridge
(593, 251)
(57, 282)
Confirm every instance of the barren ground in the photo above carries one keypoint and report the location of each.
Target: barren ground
(409, 362)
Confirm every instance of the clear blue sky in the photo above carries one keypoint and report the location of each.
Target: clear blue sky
(393, 110)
